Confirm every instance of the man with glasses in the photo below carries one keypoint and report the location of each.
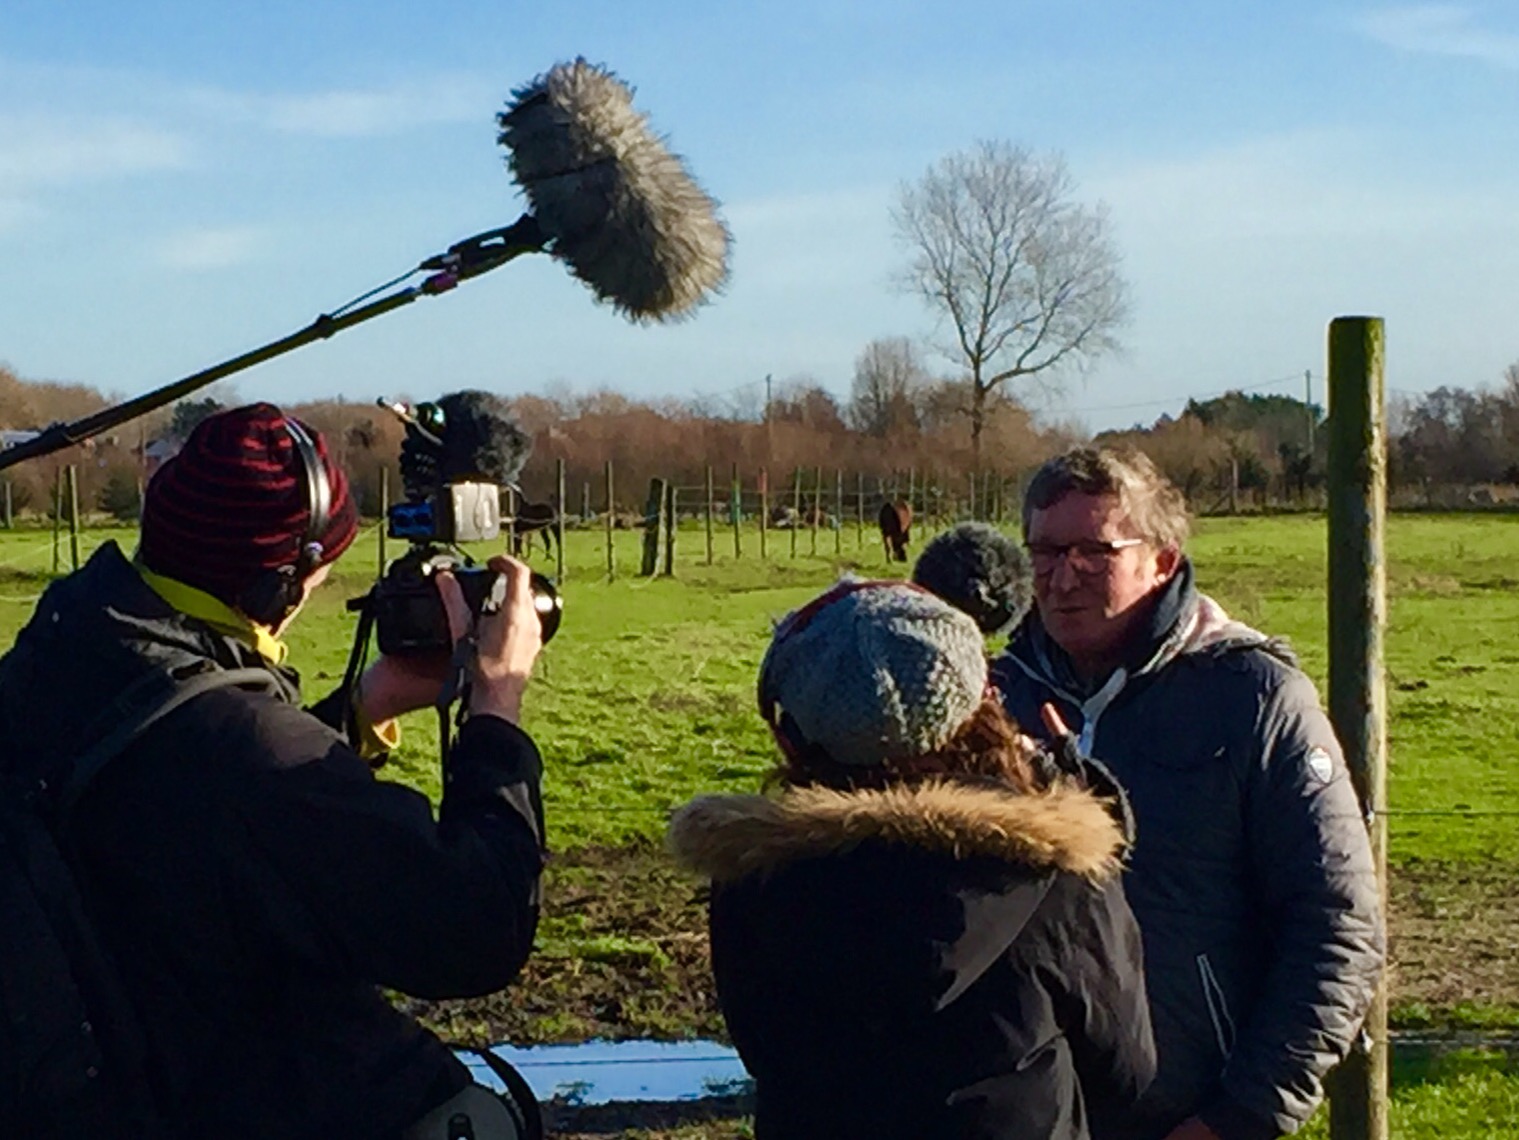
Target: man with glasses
(1251, 876)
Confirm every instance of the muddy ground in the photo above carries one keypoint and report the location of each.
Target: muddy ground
(623, 954)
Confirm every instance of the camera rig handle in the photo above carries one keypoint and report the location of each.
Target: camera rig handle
(461, 261)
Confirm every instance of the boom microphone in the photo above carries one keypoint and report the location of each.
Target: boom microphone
(607, 198)
(618, 207)
(980, 571)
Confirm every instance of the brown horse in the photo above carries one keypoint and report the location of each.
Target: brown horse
(540, 518)
(896, 527)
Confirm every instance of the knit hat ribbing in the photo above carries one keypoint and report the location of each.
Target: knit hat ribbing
(872, 670)
(234, 503)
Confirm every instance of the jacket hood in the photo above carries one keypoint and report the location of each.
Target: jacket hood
(1186, 623)
(1065, 828)
(93, 634)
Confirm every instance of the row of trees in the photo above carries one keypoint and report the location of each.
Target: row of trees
(1234, 451)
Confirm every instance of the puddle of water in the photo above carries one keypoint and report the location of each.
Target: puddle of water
(600, 1072)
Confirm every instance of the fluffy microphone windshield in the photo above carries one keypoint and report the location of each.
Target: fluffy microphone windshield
(980, 571)
(618, 206)
(466, 436)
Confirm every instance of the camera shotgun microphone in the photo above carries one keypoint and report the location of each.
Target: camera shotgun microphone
(606, 197)
(980, 571)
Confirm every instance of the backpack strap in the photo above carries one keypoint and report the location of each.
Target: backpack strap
(143, 704)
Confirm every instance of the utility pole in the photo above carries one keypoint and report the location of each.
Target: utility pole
(1308, 407)
(769, 435)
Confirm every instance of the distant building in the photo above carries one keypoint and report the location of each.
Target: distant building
(156, 453)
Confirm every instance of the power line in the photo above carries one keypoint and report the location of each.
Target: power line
(1187, 396)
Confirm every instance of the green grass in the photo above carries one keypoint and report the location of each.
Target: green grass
(646, 698)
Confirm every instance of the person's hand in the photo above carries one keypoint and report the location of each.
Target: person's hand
(507, 644)
(395, 685)
(1193, 1129)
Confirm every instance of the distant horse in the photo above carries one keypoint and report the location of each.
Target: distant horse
(783, 517)
(896, 526)
(539, 518)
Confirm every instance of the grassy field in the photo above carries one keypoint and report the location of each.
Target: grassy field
(646, 698)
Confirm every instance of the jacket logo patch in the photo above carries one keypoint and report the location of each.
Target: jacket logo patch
(1320, 763)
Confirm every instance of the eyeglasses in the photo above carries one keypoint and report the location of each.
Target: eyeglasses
(1090, 556)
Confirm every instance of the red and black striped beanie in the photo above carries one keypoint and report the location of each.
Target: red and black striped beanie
(234, 503)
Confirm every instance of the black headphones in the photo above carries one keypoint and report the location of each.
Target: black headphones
(274, 593)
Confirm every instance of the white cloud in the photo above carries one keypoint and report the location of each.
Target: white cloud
(1335, 184)
(355, 113)
(1440, 29)
(214, 248)
(38, 150)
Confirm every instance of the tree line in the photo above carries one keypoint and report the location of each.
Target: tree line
(1449, 447)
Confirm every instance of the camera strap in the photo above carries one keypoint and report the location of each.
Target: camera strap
(455, 688)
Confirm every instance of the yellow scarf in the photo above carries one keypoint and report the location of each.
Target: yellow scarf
(375, 739)
(217, 614)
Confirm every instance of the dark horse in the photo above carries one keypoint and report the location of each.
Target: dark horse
(896, 525)
(539, 518)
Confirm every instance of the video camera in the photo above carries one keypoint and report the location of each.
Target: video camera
(457, 456)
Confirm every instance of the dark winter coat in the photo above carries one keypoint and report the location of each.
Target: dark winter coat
(950, 960)
(256, 883)
(1251, 874)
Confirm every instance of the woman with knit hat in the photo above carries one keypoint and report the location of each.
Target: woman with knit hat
(917, 935)
(253, 881)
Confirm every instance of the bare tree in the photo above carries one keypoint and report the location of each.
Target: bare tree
(1027, 277)
(887, 376)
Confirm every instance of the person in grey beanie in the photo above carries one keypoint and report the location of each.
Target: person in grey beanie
(914, 934)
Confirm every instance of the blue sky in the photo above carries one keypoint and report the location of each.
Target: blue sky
(180, 182)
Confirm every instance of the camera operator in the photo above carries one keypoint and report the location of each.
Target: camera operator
(252, 879)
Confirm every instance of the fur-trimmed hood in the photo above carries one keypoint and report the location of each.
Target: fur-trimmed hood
(1066, 828)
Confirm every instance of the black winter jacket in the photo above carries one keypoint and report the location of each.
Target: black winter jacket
(255, 883)
(1251, 875)
(950, 960)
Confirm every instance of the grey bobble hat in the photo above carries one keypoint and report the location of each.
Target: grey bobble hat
(873, 670)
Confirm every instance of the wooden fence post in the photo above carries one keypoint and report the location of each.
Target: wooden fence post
(57, 516)
(384, 518)
(838, 510)
(672, 524)
(611, 510)
(764, 518)
(859, 518)
(817, 506)
(796, 507)
(559, 519)
(736, 512)
(73, 480)
(709, 514)
(653, 517)
(1357, 681)
(511, 520)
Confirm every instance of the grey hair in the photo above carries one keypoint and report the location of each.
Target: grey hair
(1154, 505)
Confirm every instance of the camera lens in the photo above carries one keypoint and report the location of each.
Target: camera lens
(548, 603)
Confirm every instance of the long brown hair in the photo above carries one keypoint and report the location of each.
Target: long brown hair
(988, 745)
